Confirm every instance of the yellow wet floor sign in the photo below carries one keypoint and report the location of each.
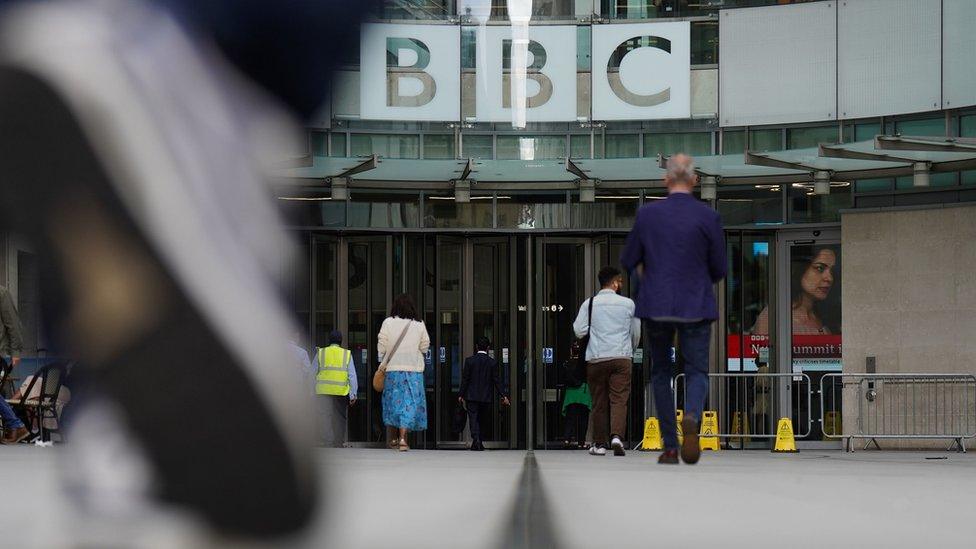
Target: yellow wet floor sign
(708, 439)
(784, 436)
(652, 435)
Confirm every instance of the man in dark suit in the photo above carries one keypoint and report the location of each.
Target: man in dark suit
(679, 245)
(479, 385)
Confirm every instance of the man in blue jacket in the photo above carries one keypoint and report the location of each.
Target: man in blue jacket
(679, 246)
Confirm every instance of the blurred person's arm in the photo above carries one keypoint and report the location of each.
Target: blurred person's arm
(717, 259)
(424, 338)
(353, 380)
(8, 315)
(635, 327)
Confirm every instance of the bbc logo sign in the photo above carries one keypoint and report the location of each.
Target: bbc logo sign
(413, 72)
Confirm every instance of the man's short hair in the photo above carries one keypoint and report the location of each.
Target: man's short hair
(483, 344)
(607, 274)
(681, 168)
(335, 337)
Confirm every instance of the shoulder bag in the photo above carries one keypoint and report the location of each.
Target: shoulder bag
(580, 370)
(379, 378)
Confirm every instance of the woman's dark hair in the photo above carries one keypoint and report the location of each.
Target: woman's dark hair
(403, 307)
(828, 310)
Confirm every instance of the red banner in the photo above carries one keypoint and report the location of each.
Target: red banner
(804, 346)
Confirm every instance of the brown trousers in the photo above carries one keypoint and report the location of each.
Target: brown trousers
(609, 383)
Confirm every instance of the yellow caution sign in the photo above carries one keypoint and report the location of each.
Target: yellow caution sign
(652, 435)
(679, 415)
(708, 435)
(740, 426)
(832, 424)
(784, 436)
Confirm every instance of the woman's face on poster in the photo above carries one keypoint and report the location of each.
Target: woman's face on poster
(819, 276)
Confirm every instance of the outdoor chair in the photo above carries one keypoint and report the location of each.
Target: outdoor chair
(42, 406)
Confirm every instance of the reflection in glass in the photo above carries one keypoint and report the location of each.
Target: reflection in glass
(528, 147)
(750, 204)
(385, 145)
(622, 146)
(806, 207)
(609, 211)
(384, 210)
(540, 211)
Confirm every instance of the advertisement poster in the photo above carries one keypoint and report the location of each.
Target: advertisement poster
(815, 312)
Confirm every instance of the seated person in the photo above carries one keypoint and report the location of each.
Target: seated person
(64, 395)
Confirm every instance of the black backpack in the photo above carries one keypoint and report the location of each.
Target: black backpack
(575, 370)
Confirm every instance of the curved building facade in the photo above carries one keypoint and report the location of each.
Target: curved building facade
(423, 176)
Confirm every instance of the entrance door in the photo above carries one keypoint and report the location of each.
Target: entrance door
(368, 294)
(564, 280)
(809, 285)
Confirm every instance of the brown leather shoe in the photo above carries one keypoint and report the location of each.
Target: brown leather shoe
(690, 450)
(13, 436)
(668, 457)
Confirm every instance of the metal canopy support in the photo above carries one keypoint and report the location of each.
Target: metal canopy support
(920, 174)
(909, 143)
(462, 191)
(364, 166)
(821, 182)
(587, 189)
(466, 171)
(709, 187)
(573, 168)
(340, 188)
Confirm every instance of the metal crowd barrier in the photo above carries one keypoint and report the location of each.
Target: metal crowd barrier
(898, 406)
(748, 403)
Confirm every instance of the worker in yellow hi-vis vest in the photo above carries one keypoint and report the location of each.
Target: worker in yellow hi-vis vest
(336, 386)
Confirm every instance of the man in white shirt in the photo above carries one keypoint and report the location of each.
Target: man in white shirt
(614, 332)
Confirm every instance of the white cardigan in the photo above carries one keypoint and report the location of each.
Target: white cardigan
(409, 356)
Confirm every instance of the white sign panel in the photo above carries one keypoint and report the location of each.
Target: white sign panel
(550, 93)
(410, 72)
(642, 71)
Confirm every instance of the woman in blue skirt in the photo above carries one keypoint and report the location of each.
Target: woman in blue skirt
(404, 398)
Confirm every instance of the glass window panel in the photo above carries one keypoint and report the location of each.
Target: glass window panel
(806, 207)
(733, 142)
(584, 37)
(338, 144)
(537, 211)
(802, 138)
(386, 145)
(539, 147)
(748, 204)
(439, 146)
(622, 146)
(704, 43)
(424, 10)
(968, 178)
(317, 144)
(698, 143)
(476, 146)
(541, 9)
(869, 185)
(935, 180)
(609, 211)
(441, 211)
(928, 126)
(766, 140)
(387, 211)
(967, 126)
(469, 47)
(863, 132)
(580, 145)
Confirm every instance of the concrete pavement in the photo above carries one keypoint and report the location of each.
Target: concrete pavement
(380, 498)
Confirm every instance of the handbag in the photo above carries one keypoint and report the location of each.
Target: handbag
(379, 378)
(579, 372)
(460, 419)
